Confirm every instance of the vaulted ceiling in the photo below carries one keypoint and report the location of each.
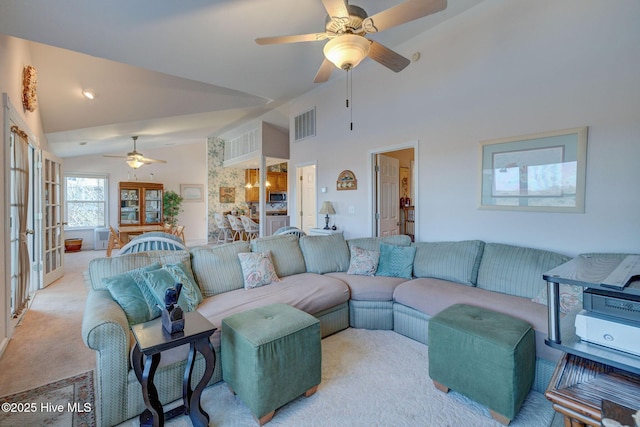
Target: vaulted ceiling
(171, 71)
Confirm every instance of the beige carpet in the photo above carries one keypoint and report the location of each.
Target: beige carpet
(47, 345)
(369, 378)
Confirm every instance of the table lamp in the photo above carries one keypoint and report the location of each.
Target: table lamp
(327, 209)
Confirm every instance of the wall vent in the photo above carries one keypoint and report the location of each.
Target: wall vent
(305, 125)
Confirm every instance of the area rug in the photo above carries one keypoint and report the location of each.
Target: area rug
(370, 378)
(64, 403)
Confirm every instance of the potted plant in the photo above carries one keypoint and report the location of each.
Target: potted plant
(171, 202)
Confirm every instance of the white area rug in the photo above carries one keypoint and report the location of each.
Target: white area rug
(370, 378)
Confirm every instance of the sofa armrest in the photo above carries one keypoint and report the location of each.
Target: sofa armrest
(106, 330)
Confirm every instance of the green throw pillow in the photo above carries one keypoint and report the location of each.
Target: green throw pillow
(158, 281)
(124, 289)
(396, 261)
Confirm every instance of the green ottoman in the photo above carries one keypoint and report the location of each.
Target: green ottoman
(487, 356)
(270, 356)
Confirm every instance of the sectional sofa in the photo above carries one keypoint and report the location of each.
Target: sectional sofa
(314, 276)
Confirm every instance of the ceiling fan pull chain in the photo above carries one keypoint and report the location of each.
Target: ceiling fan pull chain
(350, 96)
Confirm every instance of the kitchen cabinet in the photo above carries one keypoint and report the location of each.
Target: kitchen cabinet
(278, 181)
(252, 193)
(140, 203)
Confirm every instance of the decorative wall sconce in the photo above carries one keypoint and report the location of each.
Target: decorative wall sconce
(347, 181)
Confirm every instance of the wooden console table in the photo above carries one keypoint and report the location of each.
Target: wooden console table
(579, 387)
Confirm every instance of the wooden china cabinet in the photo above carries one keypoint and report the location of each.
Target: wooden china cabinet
(140, 204)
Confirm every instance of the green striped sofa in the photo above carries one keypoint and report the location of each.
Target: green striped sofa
(313, 272)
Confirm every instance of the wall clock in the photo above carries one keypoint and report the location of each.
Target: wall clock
(29, 83)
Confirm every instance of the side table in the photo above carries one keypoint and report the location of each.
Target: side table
(581, 387)
(151, 341)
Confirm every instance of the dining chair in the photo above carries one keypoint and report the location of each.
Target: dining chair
(179, 231)
(236, 226)
(114, 241)
(251, 228)
(225, 228)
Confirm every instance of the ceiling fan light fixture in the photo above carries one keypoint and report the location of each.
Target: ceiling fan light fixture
(135, 163)
(347, 51)
(89, 94)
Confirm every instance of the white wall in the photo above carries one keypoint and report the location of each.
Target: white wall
(503, 68)
(186, 164)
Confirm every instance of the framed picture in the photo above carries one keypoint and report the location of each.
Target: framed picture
(227, 194)
(192, 192)
(544, 172)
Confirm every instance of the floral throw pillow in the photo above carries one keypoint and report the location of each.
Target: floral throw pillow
(363, 261)
(257, 269)
(570, 297)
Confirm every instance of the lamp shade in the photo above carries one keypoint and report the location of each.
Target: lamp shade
(327, 209)
(346, 51)
(134, 163)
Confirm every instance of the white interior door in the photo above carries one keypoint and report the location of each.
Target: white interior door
(306, 198)
(388, 171)
(53, 226)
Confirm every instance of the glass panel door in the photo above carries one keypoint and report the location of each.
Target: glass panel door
(53, 239)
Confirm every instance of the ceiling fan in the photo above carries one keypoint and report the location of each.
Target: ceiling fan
(136, 159)
(346, 26)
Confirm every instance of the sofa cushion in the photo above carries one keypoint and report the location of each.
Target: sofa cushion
(363, 262)
(324, 254)
(373, 243)
(257, 269)
(516, 270)
(125, 291)
(100, 268)
(430, 296)
(369, 288)
(285, 253)
(217, 268)
(396, 261)
(309, 292)
(454, 261)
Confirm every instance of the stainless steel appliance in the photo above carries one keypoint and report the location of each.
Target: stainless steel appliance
(278, 197)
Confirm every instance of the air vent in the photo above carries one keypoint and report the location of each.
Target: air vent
(305, 125)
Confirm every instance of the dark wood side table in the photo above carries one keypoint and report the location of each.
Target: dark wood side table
(151, 341)
(579, 387)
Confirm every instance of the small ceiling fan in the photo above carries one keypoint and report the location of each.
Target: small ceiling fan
(346, 26)
(136, 159)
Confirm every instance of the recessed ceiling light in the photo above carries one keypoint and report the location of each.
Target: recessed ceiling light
(89, 94)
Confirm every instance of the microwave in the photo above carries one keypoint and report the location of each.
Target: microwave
(278, 197)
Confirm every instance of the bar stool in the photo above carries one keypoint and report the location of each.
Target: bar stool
(225, 228)
(236, 226)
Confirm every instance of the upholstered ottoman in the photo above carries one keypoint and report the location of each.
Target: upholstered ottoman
(484, 355)
(270, 356)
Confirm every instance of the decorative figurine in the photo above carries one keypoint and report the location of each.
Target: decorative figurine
(172, 314)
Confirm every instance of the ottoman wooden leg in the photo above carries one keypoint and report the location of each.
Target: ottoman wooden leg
(311, 391)
(443, 388)
(265, 418)
(499, 418)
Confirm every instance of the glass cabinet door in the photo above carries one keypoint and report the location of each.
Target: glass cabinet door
(129, 206)
(153, 207)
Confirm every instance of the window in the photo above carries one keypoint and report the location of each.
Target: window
(85, 200)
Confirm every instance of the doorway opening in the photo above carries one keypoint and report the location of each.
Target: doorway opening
(306, 195)
(395, 190)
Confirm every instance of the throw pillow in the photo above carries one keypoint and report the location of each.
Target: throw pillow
(257, 269)
(158, 281)
(570, 297)
(125, 291)
(396, 261)
(363, 261)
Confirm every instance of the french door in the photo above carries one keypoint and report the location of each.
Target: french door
(53, 215)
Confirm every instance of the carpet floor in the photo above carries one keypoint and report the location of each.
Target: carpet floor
(64, 403)
(369, 378)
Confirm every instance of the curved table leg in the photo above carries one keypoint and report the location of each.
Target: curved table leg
(192, 397)
(153, 415)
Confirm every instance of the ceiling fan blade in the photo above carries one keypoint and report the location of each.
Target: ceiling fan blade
(324, 72)
(147, 161)
(385, 56)
(402, 13)
(116, 157)
(336, 8)
(292, 39)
